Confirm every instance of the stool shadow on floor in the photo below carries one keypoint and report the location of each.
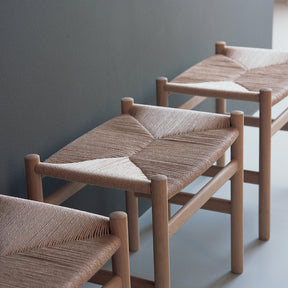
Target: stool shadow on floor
(223, 280)
(253, 245)
(229, 277)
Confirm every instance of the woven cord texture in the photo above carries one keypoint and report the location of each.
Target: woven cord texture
(67, 265)
(250, 68)
(184, 158)
(28, 224)
(252, 58)
(105, 141)
(125, 179)
(274, 77)
(133, 170)
(162, 122)
(214, 68)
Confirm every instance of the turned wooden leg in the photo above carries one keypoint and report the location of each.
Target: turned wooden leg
(265, 163)
(162, 100)
(126, 104)
(160, 231)
(237, 121)
(34, 180)
(220, 103)
(133, 221)
(221, 109)
(169, 210)
(220, 47)
(161, 94)
(120, 260)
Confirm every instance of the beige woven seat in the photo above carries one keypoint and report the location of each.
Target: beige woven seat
(153, 152)
(43, 245)
(242, 70)
(241, 74)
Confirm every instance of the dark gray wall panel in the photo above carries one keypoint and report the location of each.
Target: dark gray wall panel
(65, 65)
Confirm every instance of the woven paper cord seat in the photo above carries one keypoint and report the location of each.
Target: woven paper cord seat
(241, 74)
(128, 152)
(43, 245)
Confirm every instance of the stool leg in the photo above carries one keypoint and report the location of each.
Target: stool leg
(220, 103)
(120, 260)
(126, 104)
(162, 100)
(161, 94)
(221, 109)
(133, 221)
(34, 180)
(169, 210)
(220, 47)
(160, 231)
(265, 163)
(237, 121)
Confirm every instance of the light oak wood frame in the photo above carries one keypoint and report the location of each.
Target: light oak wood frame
(163, 227)
(120, 260)
(267, 128)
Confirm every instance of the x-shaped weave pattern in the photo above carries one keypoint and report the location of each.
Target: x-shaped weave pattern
(241, 69)
(128, 150)
(42, 243)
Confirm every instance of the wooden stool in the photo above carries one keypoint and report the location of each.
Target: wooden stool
(240, 74)
(154, 152)
(42, 245)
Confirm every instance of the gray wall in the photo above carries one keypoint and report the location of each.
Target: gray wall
(65, 65)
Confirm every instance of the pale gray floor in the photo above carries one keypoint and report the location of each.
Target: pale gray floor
(200, 250)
